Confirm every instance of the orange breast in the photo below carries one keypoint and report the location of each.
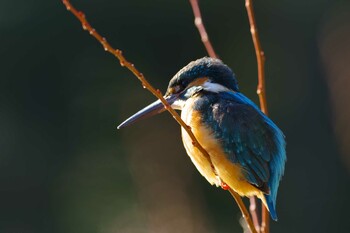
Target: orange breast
(229, 172)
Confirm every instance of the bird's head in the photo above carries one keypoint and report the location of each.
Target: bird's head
(205, 74)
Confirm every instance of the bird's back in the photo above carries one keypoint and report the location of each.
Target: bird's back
(246, 147)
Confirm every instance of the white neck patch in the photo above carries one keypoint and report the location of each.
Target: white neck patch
(178, 104)
(214, 87)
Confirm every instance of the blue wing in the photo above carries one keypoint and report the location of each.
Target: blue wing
(249, 138)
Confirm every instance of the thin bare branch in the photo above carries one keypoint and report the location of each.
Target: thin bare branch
(260, 57)
(265, 223)
(253, 212)
(123, 62)
(201, 29)
(244, 210)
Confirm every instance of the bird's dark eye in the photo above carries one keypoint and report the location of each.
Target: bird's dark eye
(184, 84)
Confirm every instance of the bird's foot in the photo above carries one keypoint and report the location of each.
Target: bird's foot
(224, 186)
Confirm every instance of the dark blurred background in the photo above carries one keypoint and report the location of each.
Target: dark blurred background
(65, 168)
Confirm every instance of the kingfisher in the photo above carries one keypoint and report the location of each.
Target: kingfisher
(246, 148)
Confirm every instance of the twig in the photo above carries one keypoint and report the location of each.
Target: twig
(260, 57)
(265, 223)
(253, 212)
(210, 50)
(244, 210)
(200, 26)
(123, 62)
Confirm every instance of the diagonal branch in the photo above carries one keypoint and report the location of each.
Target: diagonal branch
(201, 29)
(244, 210)
(260, 57)
(123, 62)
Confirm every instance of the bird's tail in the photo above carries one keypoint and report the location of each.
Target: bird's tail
(270, 204)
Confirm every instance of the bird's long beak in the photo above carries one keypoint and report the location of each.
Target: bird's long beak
(151, 110)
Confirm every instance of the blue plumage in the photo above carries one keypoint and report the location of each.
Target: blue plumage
(205, 67)
(248, 137)
(248, 147)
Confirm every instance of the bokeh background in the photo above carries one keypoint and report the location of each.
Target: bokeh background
(65, 168)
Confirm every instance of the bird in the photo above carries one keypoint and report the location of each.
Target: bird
(246, 148)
